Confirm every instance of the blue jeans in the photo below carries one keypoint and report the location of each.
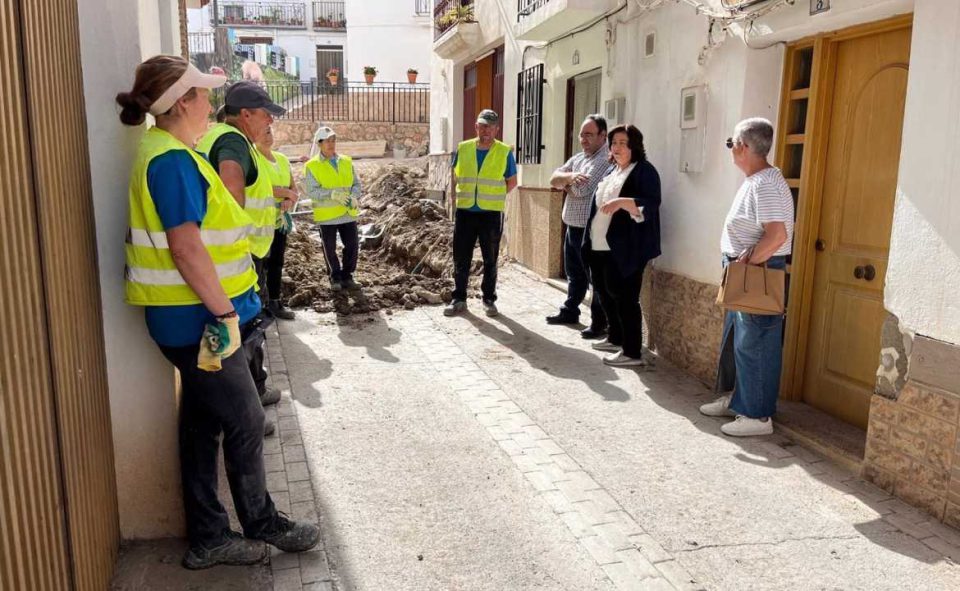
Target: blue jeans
(751, 358)
(578, 280)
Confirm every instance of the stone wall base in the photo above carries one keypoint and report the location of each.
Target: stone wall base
(414, 138)
(913, 451)
(534, 235)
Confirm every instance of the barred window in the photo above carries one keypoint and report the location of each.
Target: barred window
(529, 115)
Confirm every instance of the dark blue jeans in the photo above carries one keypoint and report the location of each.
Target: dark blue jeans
(470, 227)
(351, 249)
(751, 357)
(578, 280)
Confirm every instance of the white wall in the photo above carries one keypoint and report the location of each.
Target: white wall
(388, 35)
(142, 389)
(923, 277)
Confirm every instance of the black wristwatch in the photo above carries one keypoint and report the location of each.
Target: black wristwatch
(230, 314)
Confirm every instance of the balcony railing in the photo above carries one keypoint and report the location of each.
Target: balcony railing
(450, 13)
(422, 7)
(329, 15)
(289, 15)
(528, 7)
(200, 43)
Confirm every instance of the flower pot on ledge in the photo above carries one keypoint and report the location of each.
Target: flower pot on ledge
(369, 78)
(333, 79)
(412, 77)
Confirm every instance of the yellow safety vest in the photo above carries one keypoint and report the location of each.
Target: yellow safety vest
(152, 278)
(335, 185)
(280, 171)
(259, 200)
(486, 188)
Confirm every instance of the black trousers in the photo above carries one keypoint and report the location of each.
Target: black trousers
(214, 404)
(620, 298)
(578, 280)
(253, 349)
(351, 249)
(274, 264)
(468, 228)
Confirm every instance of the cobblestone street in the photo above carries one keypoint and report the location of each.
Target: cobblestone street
(477, 453)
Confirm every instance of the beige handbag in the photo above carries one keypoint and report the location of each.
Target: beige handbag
(754, 289)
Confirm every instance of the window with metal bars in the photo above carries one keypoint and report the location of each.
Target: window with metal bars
(530, 115)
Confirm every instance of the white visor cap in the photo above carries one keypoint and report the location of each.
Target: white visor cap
(192, 78)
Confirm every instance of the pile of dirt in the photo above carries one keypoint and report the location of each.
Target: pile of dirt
(411, 266)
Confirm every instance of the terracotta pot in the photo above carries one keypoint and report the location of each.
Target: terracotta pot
(369, 78)
(411, 78)
(333, 79)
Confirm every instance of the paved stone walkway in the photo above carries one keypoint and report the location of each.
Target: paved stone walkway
(476, 453)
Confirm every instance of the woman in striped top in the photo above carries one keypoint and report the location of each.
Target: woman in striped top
(758, 230)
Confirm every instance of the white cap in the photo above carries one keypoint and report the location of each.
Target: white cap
(192, 78)
(323, 132)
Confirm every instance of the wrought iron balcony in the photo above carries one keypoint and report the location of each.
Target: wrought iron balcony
(329, 16)
(450, 13)
(422, 7)
(290, 15)
(527, 7)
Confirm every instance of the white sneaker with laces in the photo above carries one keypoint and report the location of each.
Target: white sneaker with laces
(746, 427)
(621, 360)
(606, 345)
(719, 407)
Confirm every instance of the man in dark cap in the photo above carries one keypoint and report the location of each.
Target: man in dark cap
(484, 171)
(248, 112)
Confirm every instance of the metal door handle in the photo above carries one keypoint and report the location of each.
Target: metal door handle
(869, 272)
(859, 272)
(820, 245)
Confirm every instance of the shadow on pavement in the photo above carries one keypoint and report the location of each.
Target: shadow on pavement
(303, 364)
(373, 333)
(547, 356)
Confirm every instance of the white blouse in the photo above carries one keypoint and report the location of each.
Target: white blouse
(608, 190)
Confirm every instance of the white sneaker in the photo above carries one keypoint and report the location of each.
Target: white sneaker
(621, 360)
(746, 427)
(606, 345)
(719, 407)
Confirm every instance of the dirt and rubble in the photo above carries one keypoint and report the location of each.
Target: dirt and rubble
(411, 266)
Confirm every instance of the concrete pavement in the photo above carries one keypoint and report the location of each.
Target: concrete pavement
(477, 453)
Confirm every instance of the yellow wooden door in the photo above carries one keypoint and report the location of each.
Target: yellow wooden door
(862, 158)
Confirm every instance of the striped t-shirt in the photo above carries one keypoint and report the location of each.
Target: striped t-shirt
(763, 197)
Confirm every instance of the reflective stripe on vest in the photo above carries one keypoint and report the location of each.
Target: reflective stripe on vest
(485, 188)
(335, 188)
(258, 197)
(152, 278)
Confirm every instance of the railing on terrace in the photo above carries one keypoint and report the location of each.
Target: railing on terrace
(422, 7)
(380, 102)
(239, 13)
(329, 15)
(528, 7)
(449, 13)
(198, 43)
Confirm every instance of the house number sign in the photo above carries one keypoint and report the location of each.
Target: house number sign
(818, 6)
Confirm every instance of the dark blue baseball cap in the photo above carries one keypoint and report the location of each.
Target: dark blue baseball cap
(247, 94)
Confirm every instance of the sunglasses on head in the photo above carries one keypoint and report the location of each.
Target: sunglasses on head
(730, 143)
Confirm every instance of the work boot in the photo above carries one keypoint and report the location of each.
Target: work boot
(269, 396)
(291, 536)
(490, 309)
(563, 317)
(455, 307)
(351, 285)
(280, 311)
(235, 551)
(593, 332)
(336, 285)
(268, 428)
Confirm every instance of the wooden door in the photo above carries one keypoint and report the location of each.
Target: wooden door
(470, 109)
(860, 180)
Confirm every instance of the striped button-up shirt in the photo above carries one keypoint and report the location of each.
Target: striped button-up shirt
(576, 207)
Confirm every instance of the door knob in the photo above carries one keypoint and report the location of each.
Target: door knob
(859, 272)
(820, 245)
(869, 272)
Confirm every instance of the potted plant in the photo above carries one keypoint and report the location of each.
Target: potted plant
(369, 73)
(412, 76)
(333, 75)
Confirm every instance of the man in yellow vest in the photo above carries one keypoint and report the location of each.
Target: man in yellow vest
(484, 170)
(230, 146)
(335, 192)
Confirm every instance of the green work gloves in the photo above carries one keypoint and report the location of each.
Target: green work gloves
(220, 340)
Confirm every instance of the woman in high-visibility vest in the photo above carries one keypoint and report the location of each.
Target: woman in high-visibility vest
(189, 265)
(335, 192)
(285, 192)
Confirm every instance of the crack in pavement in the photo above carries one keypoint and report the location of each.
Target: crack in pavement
(776, 543)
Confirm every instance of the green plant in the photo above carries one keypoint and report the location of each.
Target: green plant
(369, 71)
(412, 71)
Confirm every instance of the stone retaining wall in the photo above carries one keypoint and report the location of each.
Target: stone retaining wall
(412, 137)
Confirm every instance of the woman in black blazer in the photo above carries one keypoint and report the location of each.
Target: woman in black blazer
(623, 235)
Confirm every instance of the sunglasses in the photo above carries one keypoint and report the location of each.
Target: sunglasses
(730, 143)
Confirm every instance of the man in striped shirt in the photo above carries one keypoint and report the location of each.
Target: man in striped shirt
(579, 178)
(758, 230)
